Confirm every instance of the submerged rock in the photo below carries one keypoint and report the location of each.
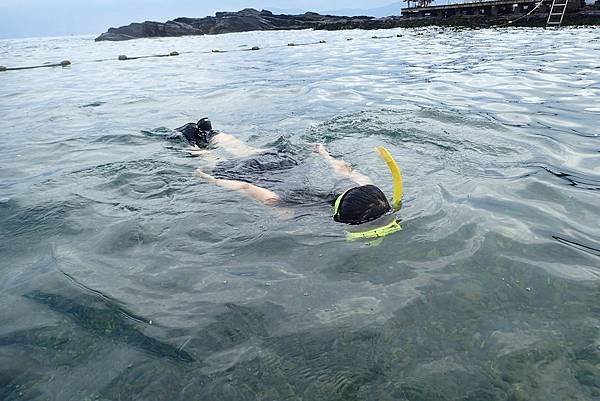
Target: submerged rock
(108, 320)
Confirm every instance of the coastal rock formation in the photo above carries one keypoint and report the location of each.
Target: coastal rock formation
(224, 22)
(149, 29)
(253, 20)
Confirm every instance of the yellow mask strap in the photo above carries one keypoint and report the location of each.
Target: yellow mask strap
(336, 206)
(380, 232)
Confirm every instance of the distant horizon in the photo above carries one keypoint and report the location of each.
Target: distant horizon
(37, 19)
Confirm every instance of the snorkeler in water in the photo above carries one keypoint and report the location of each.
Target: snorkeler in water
(201, 135)
(272, 177)
(198, 134)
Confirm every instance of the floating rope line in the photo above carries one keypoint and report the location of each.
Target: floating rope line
(293, 44)
(63, 63)
(250, 49)
(124, 57)
(254, 48)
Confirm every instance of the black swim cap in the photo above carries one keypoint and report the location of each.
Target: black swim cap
(360, 205)
(204, 125)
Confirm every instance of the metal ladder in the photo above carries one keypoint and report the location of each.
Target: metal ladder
(557, 12)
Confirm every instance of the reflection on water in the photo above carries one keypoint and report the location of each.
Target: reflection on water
(124, 277)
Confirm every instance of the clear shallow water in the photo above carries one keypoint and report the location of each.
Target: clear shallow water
(124, 277)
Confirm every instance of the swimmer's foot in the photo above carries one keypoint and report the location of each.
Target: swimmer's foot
(319, 148)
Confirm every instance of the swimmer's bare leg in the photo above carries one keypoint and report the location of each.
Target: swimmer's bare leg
(341, 167)
(234, 145)
(260, 194)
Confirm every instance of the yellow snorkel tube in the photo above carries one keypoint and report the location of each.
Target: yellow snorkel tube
(396, 176)
(390, 227)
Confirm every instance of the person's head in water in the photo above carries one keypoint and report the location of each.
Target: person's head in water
(204, 132)
(204, 125)
(360, 205)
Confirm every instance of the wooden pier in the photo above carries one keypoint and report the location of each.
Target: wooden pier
(485, 8)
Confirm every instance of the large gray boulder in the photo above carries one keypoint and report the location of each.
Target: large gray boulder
(149, 29)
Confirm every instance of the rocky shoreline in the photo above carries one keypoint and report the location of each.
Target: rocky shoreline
(254, 20)
(226, 22)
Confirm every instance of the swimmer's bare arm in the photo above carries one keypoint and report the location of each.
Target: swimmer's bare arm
(260, 194)
(341, 167)
(234, 146)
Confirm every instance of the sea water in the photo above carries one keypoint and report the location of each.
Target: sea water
(123, 276)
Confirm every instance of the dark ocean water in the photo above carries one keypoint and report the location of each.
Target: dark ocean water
(125, 277)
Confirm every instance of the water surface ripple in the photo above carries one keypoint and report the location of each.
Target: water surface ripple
(124, 277)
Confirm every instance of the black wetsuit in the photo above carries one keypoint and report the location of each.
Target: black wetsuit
(297, 178)
(292, 172)
(195, 136)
